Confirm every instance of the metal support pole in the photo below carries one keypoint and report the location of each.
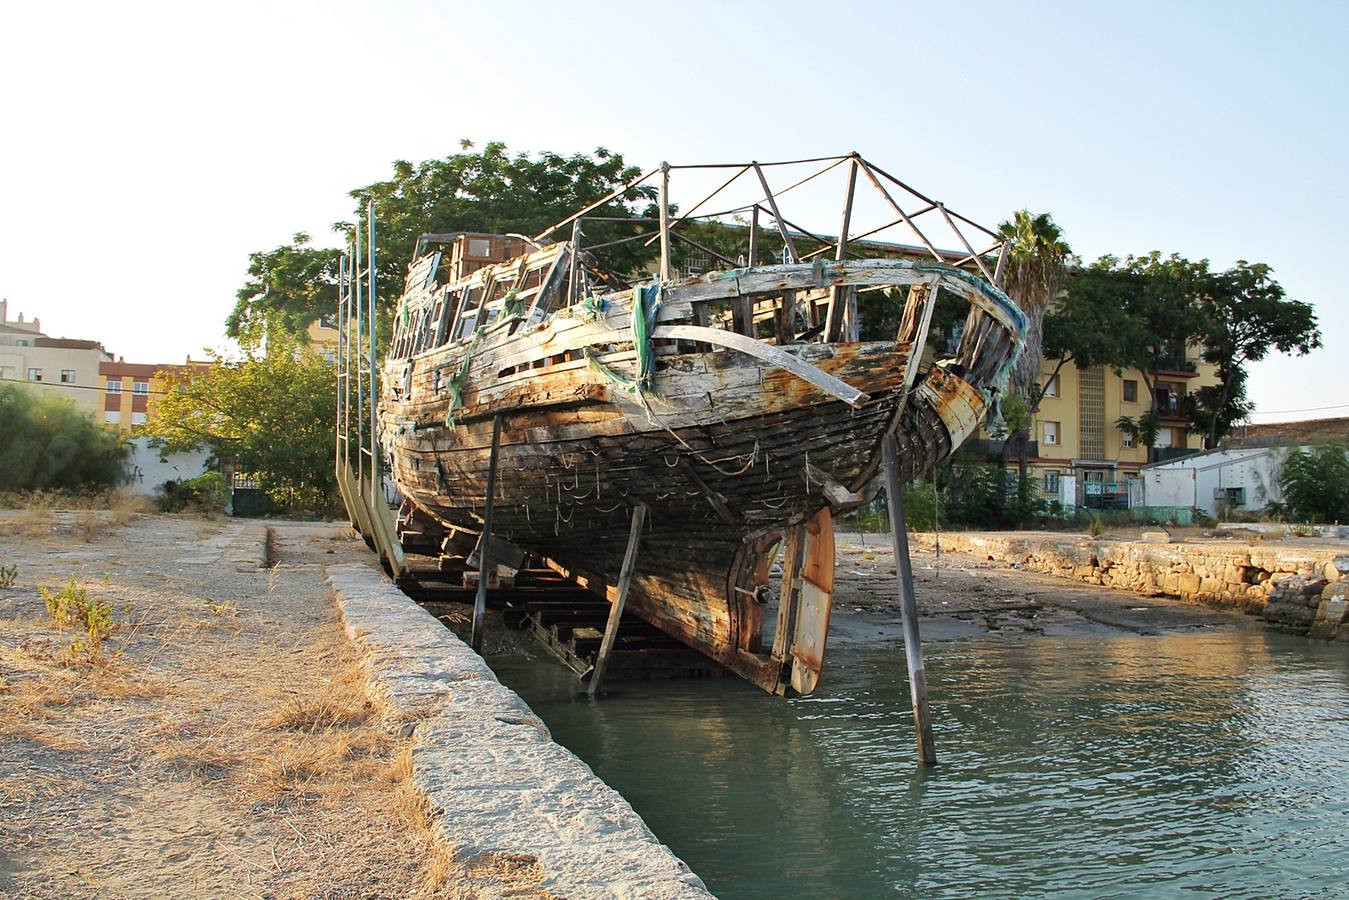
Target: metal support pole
(616, 610)
(341, 380)
(908, 604)
(664, 201)
(485, 541)
(376, 488)
(360, 370)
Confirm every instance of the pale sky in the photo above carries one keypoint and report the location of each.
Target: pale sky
(147, 148)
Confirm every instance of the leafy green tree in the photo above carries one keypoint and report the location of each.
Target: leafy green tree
(489, 191)
(46, 443)
(1246, 316)
(1156, 302)
(290, 286)
(269, 413)
(1316, 484)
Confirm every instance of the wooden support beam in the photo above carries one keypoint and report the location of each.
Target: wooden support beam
(1002, 264)
(908, 604)
(777, 216)
(793, 554)
(978, 260)
(754, 236)
(834, 387)
(838, 325)
(485, 541)
(616, 609)
(907, 219)
(784, 317)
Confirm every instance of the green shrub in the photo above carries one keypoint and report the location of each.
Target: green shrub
(8, 575)
(46, 443)
(208, 493)
(73, 606)
(1316, 485)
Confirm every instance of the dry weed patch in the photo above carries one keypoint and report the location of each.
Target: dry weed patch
(35, 522)
(125, 507)
(88, 526)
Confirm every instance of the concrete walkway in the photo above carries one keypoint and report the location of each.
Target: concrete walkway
(500, 787)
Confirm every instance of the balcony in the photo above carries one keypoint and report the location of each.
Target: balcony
(1177, 367)
(988, 448)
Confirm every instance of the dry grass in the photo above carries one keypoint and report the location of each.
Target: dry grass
(35, 522)
(88, 526)
(125, 507)
(51, 500)
(43, 694)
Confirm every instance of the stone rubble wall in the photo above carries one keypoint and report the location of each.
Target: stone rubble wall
(1301, 591)
(499, 785)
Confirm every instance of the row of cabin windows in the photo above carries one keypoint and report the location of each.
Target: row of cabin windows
(455, 314)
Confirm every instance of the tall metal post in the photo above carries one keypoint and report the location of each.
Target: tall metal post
(360, 375)
(376, 489)
(908, 604)
(337, 432)
(485, 541)
(664, 201)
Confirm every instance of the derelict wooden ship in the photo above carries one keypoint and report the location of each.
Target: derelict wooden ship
(739, 406)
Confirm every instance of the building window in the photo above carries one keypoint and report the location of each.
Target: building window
(67, 376)
(1130, 390)
(1052, 386)
(21, 342)
(113, 387)
(1126, 439)
(112, 417)
(34, 374)
(1052, 481)
(137, 418)
(140, 387)
(1051, 432)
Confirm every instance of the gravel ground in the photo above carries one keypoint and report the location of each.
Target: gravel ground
(224, 741)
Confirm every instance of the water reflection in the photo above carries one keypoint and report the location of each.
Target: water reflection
(1102, 767)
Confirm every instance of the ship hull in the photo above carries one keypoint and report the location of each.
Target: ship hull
(721, 492)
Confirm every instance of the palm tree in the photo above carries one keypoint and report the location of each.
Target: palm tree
(1037, 256)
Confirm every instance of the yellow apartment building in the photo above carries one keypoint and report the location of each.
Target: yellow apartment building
(1074, 435)
(131, 391)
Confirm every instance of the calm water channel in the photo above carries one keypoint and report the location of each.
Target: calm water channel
(1212, 764)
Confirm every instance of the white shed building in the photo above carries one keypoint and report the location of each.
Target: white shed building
(1238, 478)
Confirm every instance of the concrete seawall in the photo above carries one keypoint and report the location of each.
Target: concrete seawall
(499, 785)
(1300, 590)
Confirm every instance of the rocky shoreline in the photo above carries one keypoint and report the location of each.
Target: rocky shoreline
(1295, 588)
